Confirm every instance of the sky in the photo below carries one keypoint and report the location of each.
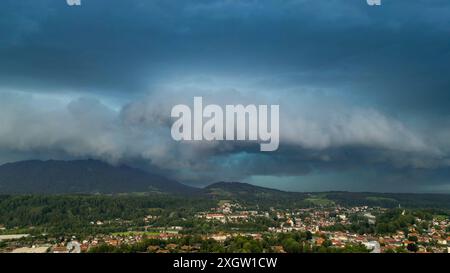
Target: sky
(364, 91)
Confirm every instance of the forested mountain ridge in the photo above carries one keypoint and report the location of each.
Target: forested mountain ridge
(81, 176)
(96, 177)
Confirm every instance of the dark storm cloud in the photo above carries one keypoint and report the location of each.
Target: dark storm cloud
(129, 45)
(360, 87)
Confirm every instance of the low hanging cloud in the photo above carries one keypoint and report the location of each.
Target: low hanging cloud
(316, 133)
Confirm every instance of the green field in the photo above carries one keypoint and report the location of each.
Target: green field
(319, 201)
(381, 199)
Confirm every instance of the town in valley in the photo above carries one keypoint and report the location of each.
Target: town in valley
(165, 224)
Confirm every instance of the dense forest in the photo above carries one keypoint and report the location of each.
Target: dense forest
(79, 213)
(74, 213)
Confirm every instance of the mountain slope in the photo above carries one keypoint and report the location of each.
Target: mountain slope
(81, 176)
(272, 197)
(236, 189)
(251, 194)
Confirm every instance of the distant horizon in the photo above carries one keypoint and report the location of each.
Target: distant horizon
(221, 181)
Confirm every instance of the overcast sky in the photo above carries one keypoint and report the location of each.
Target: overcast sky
(364, 92)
